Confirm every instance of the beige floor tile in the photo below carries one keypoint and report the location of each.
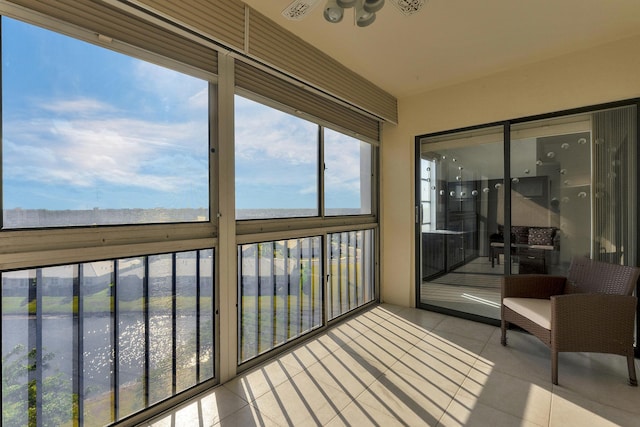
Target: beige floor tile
(371, 354)
(517, 360)
(421, 318)
(405, 398)
(521, 341)
(400, 328)
(310, 352)
(254, 383)
(345, 371)
(453, 345)
(526, 400)
(302, 401)
(397, 366)
(601, 378)
(381, 351)
(205, 410)
(358, 414)
(467, 328)
(248, 416)
(369, 319)
(388, 309)
(471, 413)
(569, 409)
(434, 367)
(344, 333)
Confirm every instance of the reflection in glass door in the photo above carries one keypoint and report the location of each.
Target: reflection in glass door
(571, 191)
(461, 176)
(550, 194)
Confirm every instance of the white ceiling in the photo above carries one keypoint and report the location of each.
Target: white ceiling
(452, 41)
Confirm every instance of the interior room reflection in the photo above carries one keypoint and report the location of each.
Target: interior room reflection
(463, 236)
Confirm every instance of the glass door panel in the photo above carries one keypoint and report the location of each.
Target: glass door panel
(459, 197)
(572, 190)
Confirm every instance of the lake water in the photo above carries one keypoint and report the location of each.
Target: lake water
(98, 354)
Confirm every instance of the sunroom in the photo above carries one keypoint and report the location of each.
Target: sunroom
(202, 201)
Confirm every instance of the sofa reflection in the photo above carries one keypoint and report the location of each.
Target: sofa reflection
(534, 248)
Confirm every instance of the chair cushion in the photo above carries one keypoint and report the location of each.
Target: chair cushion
(541, 236)
(520, 234)
(534, 309)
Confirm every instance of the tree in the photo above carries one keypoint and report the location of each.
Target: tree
(16, 366)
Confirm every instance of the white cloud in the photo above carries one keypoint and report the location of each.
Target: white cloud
(199, 100)
(77, 106)
(171, 88)
(278, 149)
(86, 152)
(265, 134)
(342, 158)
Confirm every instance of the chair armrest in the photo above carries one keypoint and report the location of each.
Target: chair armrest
(532, 286)
(593, 322)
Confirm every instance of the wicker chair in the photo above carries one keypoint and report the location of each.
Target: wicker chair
(590, 310)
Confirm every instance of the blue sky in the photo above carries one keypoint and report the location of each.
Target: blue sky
(277, 158)
(86, 127)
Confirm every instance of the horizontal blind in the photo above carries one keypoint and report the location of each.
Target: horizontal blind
(220, 20)
(224, 21)
(272, 87)
(281, 49)
(119, 25)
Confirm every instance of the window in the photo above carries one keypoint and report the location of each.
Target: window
(280, 291)
(92, 343)
(277, 166)
(95, 137)
(276, 163)
(347, 174)
(112, 324)
(351, 260)
(92, 136)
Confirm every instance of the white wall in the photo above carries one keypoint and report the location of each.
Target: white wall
(603, 74)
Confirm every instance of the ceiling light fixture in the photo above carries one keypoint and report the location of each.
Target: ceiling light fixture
(333, 12)
(364, 15)
(365, 10)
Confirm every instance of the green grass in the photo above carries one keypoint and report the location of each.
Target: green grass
(99, 302)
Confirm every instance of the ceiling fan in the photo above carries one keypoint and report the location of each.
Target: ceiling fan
(365, 10)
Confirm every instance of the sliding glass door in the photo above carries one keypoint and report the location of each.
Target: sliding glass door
(461, 179)
(571, 191)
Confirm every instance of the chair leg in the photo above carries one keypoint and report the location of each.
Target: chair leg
(503, 337)
(554, 367)
(632, 371)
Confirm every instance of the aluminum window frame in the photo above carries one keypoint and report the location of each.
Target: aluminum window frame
(24, 248)
(253, 226)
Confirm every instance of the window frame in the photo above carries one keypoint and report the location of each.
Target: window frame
(272, 225)
(44, 247)
(39, 247)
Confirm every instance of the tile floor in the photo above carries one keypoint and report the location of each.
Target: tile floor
(399, 366)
